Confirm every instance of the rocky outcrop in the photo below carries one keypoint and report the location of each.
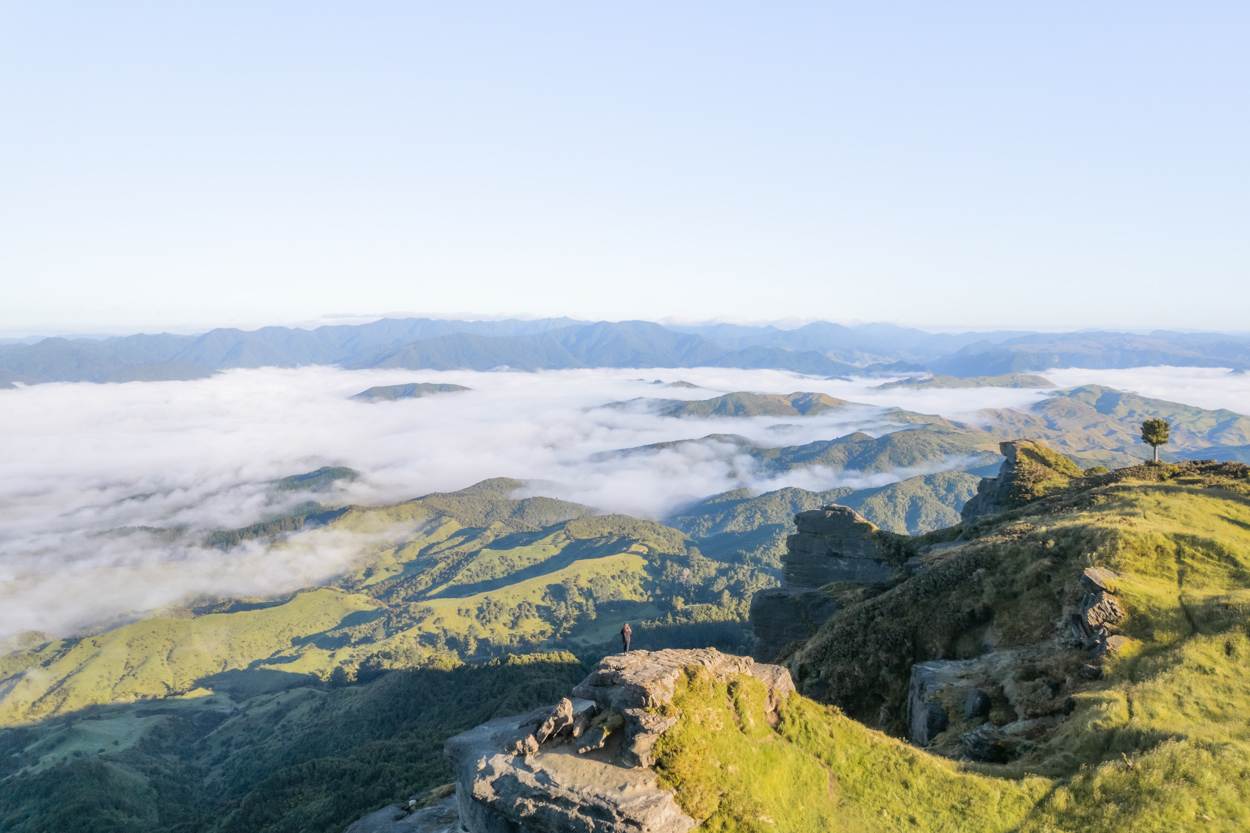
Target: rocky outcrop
(1094, 622)
(1030, 470)
(985, 708)
(927, 715)
(996, 706)
(833, 544)
(583, 766)
(836, 543)
(553, 789)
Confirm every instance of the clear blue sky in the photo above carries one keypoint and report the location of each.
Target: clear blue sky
(187, 164)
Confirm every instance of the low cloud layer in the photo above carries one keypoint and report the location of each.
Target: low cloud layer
(81, 461)
(1205, 387)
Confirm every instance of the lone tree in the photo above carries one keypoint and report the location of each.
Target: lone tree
(1154, 433)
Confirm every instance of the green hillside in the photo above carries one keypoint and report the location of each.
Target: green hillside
(470, 574)
(1145, 730)
(303, 712)
(918, 447)
(906, 449)
(1099, 425)
(312, 757)
(741, 525)
(918, 504)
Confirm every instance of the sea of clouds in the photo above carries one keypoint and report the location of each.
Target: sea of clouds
(91, 475)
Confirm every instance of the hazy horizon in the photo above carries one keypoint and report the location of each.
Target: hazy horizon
(90, 331)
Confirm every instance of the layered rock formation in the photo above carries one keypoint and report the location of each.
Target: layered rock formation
(583, 766)
(832, 545)
(950, 650)
(1030, 471)
(993, 707)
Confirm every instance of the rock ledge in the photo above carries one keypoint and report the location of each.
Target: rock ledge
(584, 765)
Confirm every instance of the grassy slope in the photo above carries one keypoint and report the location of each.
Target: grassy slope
(816, 770)
(1099, 425)
(473, 574)
(918, 504)
(160, 656)
(1159, 744)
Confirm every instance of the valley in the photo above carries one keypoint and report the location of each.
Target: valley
(230, 707)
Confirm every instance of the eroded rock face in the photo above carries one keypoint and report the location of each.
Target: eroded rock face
(833, 544)
(927, 714)
(1030, 470)
(781, 616)
(836, 543)
(1095, 621)
(583, 765)
(998, 705)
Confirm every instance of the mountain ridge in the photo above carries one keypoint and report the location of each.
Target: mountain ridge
(818, 348)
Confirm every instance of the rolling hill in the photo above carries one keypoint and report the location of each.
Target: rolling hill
(1100, 425)
(741, 404)
(1006, 380)
(412, 390)
(470, 574)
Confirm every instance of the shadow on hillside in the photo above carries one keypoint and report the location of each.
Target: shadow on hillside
(285, 752)
(329, 640)
(729, 636)
(579, 550)
(248, 682)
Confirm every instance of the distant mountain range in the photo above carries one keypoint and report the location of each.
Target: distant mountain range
(819, 348)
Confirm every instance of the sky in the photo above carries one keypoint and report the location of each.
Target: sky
(185, 165)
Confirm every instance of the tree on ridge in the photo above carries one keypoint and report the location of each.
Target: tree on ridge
(1154, 433)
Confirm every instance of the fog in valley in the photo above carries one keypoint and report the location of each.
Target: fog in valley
(95, 480)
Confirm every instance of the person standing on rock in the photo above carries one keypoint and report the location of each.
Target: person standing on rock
(627, 633)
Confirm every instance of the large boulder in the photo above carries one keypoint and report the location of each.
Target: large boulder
(927, 714)
(837, 543)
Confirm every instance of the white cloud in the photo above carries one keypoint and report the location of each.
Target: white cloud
(79, 460)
